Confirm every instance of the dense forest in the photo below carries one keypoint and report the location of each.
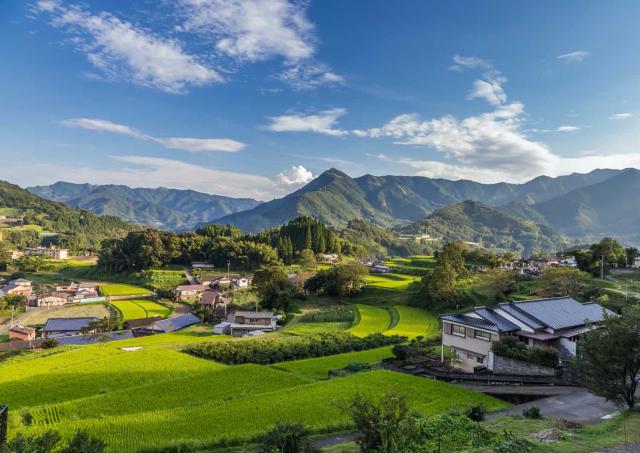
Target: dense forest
(379, 242)
(75, 229)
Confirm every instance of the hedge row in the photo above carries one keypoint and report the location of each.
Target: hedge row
(333, 313)
(512, 348)
(279, 349)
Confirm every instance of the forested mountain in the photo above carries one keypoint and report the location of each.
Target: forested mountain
(476, 222)
(380, 242)
(335, 198)
(61, 225)
(167, 209)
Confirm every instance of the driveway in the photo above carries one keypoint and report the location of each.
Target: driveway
(578, 406)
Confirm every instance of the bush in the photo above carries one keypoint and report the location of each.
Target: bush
(509, 443)
(49, 343)
(476, 413)
(333, 313)
(513, 348)
(287, 438)
(532, 412)
(82, 442)
(276, 349)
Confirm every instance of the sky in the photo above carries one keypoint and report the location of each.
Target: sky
(254, 98)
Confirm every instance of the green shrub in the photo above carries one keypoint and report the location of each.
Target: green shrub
(49, 343)
(532, 412)
(333, 313)
(287, 438)
(513, 348)
(277, 349)
(509, 443)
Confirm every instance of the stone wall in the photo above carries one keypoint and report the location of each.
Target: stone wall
(504, 365)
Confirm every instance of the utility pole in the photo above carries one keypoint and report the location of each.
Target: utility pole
(602, 267)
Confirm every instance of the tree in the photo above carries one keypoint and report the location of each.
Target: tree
(82, 442)
(609, 358)
(341, 280)
(15, 300)
(306, 258)
(273, 287)
(500, 282)
(561, 281)
(44, 443)
(611, 250)
(288, 438)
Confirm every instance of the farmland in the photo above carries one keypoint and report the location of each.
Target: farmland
(140, 308)
(371, 320)
(123, 290)
(34, 317)
(413, 322)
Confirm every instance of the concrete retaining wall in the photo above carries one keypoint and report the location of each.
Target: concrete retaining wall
(504, 365)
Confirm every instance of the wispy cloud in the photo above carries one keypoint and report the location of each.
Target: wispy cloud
(181, 143)
(322, 122)
(621, 116)
(489, 90)
(123, 51)
(460, 63)
(574, 57)
(567, 129)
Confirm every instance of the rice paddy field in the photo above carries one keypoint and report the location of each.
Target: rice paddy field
(123, 290)
(140, 308)
(413, 322)
(370, 320)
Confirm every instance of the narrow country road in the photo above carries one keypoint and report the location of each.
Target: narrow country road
(190, 278)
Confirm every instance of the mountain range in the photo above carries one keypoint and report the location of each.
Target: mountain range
(579, 206)
(167, 209)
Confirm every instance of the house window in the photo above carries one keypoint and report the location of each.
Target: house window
(458, 330)
(480, 359)
(486, 336)
(457, 355)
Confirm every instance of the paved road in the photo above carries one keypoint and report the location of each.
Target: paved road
(578, 406)
(190, 278)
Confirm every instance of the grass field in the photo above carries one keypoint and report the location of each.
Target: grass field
(310, 328)
(391, 281)
(370, 320)
(135, 309)
(123, 290)
(413, 322)
(242, 418)
(40, 316)
(319, 367)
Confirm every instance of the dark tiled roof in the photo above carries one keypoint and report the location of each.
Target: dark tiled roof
(211, 297)
(141, 322)
(514, 311)
(171, 324)
(23, 330)
(503, 324)
(191, 288)
(67, 324)
(470, 321)
(255, 314)
(95, 338)
(562, 312)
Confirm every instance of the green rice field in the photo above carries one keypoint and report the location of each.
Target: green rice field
(136, 309)
(414, 322)
(370, 320)
(123, 290)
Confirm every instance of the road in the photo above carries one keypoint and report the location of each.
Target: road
(190, 278)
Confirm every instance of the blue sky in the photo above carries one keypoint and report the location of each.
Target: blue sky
(256, 97)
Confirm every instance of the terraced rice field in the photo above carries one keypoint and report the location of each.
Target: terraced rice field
(371, 320)
(136, 309)
(123, 290)
(414, 322)
(391, 281)
(319, 367)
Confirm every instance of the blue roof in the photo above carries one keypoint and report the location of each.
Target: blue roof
(562, 312)
(502, 324)
(171, 324)
(67, 324)
(470, 321)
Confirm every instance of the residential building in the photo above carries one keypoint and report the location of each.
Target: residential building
(328, 257)
(241, 282)
(50, 298)
(380, 269)
(553, 324)
(186, 292)
(17, 287)
(244, 322)
(55, 327)
(51, 252)
(20, 333)
(636, 262)
(201, 265)
(171, 324)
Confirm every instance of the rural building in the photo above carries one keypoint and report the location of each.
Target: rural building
(328, 257)
(19, 333)
(380, 269)
(50, 298)
(554, 324)
(244, 322)
(201, 265)
(636, 262)
(240, 282)
(17, 287)
(186, 292)
(171, 324)
(51, 252)
(55, 327)
(223, 328)
(133, 324)
(14, 254)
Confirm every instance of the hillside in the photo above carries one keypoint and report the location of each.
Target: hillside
(335, 198)
(54, 222)
(379, 242)
(476, 222)
(168, 209)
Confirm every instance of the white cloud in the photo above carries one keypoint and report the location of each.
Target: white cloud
(460, 63)
(294, 177)
(621, 116)
(321, 123)
(490, 90)
(124, 51)
(567, 129)
(309, 76)
(181, 143)
(574, 57)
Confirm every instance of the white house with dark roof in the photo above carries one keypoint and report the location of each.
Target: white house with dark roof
(554, 323)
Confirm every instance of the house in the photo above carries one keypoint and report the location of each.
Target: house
(56, 327)
(223, 328)
(185, 292)
(636, 262)
(171, 324)
(133, 324)
(380, 269)
(215, 302)
(17, 287)
(554, 324)
(51, 252)
(328, 257)
(218, 281)
(20, 333)
(50, 298)
(240, 282)
(201, 265)
(244, 322)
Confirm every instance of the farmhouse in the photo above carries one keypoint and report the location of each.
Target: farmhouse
(186, 292)
(201, 265)
(51, 252)
(244, 322)
(50, 298)
(56, 327)
(171, 324)
(17, 287)
(552, 324)
(19, 333)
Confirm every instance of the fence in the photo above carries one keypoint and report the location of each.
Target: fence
(4, 416)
